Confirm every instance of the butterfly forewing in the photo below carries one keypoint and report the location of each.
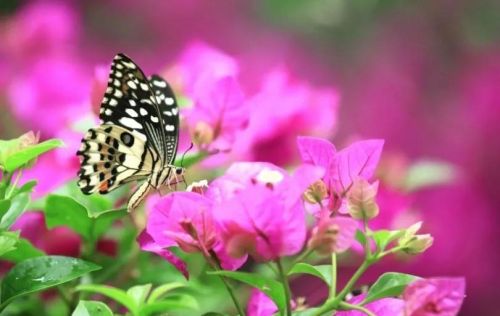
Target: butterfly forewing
(139, 132)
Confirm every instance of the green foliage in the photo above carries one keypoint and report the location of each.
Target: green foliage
(270, 287)
(8, 241)
(140, 300)
(389, 284)
(323, 272)
(13, 155)
(92, 308)
(23, 250)
(66, 211)
(40, 273)
(18, 205)
(382, 238)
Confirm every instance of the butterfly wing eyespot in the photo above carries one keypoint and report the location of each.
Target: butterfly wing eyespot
(138, 136)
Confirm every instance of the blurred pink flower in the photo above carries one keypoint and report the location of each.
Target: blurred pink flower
(200, 65)
(40, 28)
(185, 219)
(219, 112)
(263, 217)
(260, 304)
(381, 307)
(41, 102)
(55, 241)
(282, 109)
(359, 160)
(436, 296)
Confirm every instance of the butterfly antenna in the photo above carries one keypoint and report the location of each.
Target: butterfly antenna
(184, 154)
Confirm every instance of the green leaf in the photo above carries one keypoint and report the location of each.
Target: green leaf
(17, 207)
(164, 289)
(26, 188)
(21, 157)
(324, 272)
(360, 237)
(179, 301)
(24, 250)
(139, 293)
(4, 207)
(8, 241)
(273, 289)
(40, 273)
(92, 308)
(66, 211)
(382, 238)
(113, 293)
(387, 285)
(308, 312)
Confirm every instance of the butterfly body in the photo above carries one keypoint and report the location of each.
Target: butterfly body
(138, 137)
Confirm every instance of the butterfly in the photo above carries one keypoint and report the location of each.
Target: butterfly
(138, 136)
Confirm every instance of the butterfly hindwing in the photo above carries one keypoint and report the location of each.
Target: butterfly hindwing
(110, 156)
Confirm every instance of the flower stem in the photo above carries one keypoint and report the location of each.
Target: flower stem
(286, 285)
(302, 256)
(333, 287)
(334, 302)
(344, 305)
(13, 187)
(241, 312)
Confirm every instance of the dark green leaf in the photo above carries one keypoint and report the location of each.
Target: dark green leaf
(17, 207)
(4, 207)
(139, 293)
(388, 285)
(26, 188)
(382, 238)
(92, 308)
(273, 289)
(324, 272)
(66, 211)
(179, 301)
(40, 273)
(24, 250)
(118, 295)
(164, 289)
(21, 157)
(8, 241)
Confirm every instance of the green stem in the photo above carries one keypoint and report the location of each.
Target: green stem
(241, 312)
(286, 285)
(333, 287)
(16, 180)
(302, 256)
(333, 303)
(347, 306)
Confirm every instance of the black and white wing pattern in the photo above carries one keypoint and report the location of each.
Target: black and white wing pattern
(138, 135)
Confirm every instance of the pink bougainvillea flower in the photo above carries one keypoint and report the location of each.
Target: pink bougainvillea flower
(40, 28)
(39, 92)
(381, 307)
(147, 243)
(184, 219)
(282, 109)
(260, 304)
(219, 112)
(200, 65)
(342, 168)
(435, 296)
(332, 234)
(261, 211)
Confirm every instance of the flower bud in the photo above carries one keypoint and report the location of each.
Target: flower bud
(413, 243)
(316, 192)
(361, 202)
(332, 234)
